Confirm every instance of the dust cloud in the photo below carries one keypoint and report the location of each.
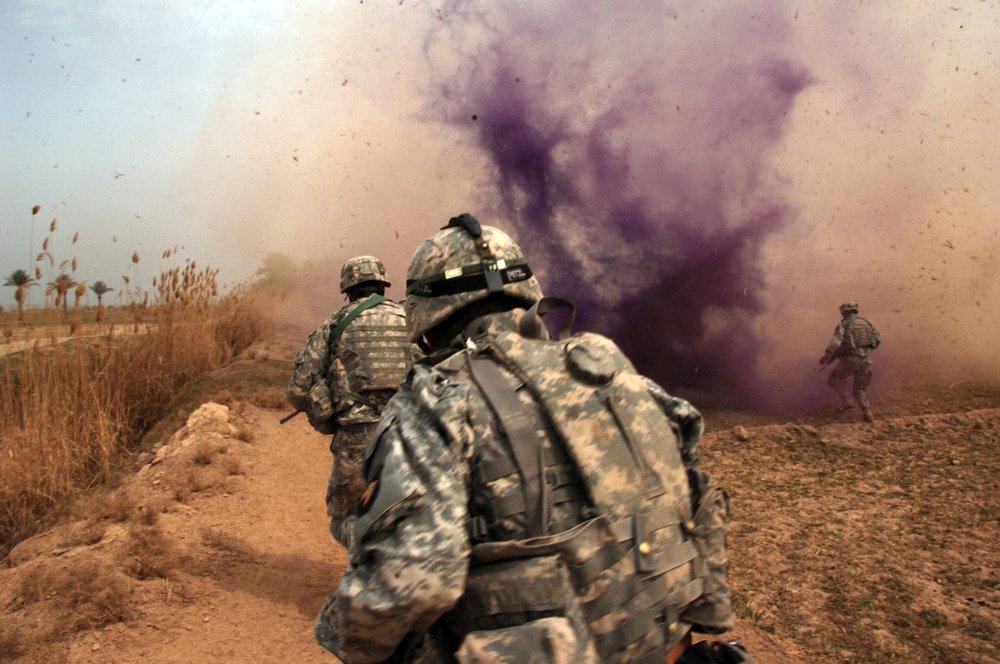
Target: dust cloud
(707, 181)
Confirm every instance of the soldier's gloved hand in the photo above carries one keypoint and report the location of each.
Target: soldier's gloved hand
(824, 360)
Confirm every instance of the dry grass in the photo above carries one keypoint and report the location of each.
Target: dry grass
(86, 595)
(70, 413)
(148, 553)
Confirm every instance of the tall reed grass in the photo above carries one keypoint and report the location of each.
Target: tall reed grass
(69, 413)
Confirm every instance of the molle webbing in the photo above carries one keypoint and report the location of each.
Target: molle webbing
(859, 332)
(521, 436)
(618, 426)
(562, 488)
(374, 348)
(649, 607)
(351, 315)
(627, 453)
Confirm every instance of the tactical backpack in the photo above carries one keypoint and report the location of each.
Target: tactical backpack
(650, 563)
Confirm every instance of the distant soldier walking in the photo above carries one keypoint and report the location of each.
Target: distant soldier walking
(853, 342)
(344, 376)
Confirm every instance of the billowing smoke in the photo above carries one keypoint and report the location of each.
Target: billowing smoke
(707, 180)
(633, 163)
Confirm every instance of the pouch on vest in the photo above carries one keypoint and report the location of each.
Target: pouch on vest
(521, 610)
(712, 612)
(627, 450)
(320, 409)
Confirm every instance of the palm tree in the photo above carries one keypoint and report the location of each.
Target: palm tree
(100, 288)
(61, 287)
(20, 280)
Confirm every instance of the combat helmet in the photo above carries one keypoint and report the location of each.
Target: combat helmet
(360, 269)
(463, 263)
(848, 308)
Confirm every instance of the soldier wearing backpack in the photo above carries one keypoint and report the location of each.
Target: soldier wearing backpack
(527, 499)
(853, 341)
(344, 376)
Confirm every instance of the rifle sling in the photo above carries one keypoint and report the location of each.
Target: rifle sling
(342, 325)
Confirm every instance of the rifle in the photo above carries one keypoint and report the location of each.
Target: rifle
(289, 416)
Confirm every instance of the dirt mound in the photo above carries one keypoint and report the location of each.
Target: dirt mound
(216, 549)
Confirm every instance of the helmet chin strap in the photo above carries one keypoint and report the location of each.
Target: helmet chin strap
(491, 270)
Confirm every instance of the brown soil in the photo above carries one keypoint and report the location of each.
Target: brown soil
(217, 550)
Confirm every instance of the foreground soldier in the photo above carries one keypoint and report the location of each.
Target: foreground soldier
(853, 342)
(527, 499)
(344, 376)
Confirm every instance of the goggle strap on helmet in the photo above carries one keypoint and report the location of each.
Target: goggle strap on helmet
(466, 222)
(470, 278)
(471, 225)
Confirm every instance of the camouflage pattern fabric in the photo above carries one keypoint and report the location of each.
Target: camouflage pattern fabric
(346, 483)
(321, 379)
(858, 367)
(411, 557)
(853, 336)
(853, 342)
(323, 376)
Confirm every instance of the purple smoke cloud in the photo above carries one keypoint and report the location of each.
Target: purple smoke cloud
(631, 160)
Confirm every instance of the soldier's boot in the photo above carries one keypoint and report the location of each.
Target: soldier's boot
(868, 415)
(843, 408)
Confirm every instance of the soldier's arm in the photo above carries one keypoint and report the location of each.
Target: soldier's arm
(835, 342)
(311, 364)
(410, 562)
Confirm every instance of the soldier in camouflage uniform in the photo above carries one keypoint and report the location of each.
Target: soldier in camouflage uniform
(853, 342)
(344, 376)
(528, 499)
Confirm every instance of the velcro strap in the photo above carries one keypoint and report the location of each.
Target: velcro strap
(585, 573)
(494, 469)
(632, 630)
(508, 506)
(660, 517)
(612, 598)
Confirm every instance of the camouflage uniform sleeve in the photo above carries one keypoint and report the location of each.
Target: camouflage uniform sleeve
(689, 421)
(411, 558)
(311, 365)
(836, 341)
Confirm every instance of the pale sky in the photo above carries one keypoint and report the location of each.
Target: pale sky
(229, 129)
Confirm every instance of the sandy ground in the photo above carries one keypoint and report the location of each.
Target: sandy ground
(242, 562)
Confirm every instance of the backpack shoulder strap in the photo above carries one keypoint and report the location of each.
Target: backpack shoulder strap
(518, 425)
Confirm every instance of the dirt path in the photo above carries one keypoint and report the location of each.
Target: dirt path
(260, 563)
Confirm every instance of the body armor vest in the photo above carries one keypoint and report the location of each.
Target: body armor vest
(859, 334)
(638, 561)
(374, 349)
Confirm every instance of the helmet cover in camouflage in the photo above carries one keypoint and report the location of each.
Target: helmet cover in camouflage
(360, 269)
(454, 268)
(848, 307)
